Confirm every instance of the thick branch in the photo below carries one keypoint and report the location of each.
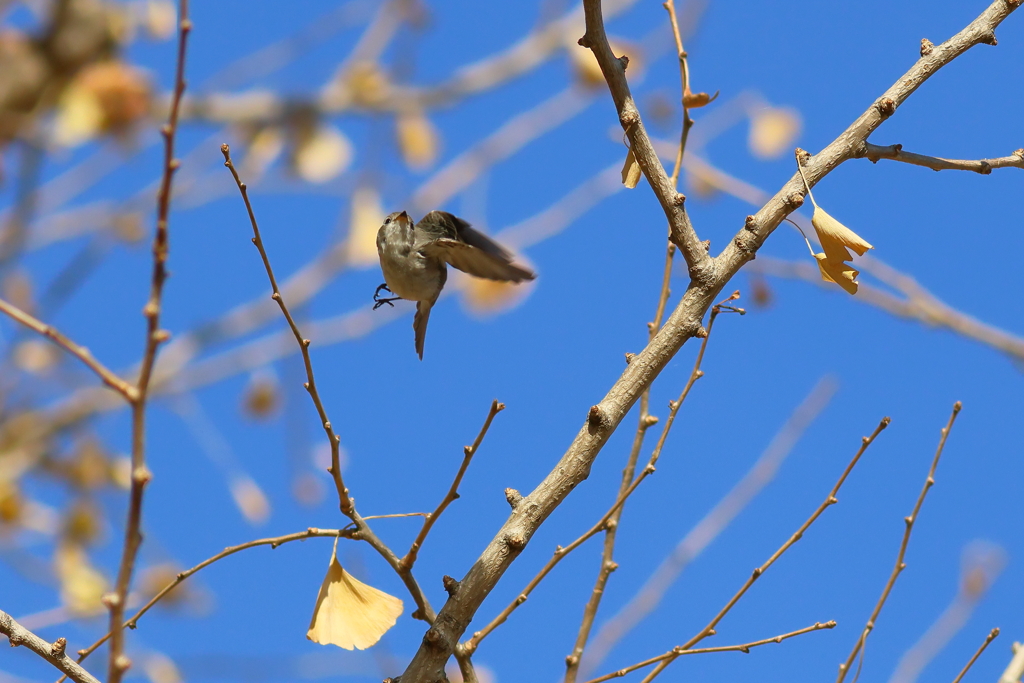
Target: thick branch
(614, 70)
(51, 652)
(896, 153)
(574, 466)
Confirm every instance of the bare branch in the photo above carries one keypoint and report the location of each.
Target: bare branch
(844, 668)
(1015, 669)
(614, 70)
(453, 492)
(988, 639)
(272, 542)
(698, 538)
(118, 662)
(684, 323)
(830, 500)
(83, 354)
(51, 652)
(363, 531)
(982, 166)
(679, 651)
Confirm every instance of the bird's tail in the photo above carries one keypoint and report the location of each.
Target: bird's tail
(419, 324)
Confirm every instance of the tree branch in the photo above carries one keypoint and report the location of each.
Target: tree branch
(51, 652)
(830, 500)
(453, 492)
(844, 668)
(363, 531)
(614, 69)
(116, 601)
(427, 666)
(896, 153)
(988, 639)
(109, 377)
(680, 651)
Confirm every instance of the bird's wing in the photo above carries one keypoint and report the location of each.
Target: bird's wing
(419, 324)
(476, 261)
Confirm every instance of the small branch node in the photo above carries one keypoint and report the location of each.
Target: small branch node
(886, 107)
(513, 497)
(701, 332)
(515, 541)
(631, 356)
(451, 586)
(926, 47)
(57, 647)
(750, 224)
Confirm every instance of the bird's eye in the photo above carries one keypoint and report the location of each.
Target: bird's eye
(387, 220)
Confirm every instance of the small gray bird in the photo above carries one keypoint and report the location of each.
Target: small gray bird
(414, 258)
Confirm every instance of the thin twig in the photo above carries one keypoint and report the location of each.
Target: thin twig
(51, 652)
(181, 576)
(988, 639)
(844, 668)
(830, 500)
(362, 531)
(680, 651)
(982, 166)
(116, 601)
(453, 492)
(109, 377)
(707, 529)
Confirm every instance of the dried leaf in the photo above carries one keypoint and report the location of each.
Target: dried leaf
(349, 613)
(842, 274)
(366, 216)
(323, 155)
(773, 130)
(630, 171)
(692, 100)
(417, 139)
(836, 237)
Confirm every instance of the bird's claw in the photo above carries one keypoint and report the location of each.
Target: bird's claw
(380, 301)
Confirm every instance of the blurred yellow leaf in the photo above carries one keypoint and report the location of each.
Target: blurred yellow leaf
(36, 356)
(367, 84)
(349, 613)
(81, 585)
(17, 288)
(323, 155)
(418, 139)
(366, 216)
(485, 298)
(82, 523)
(586, 69)
(264, 148)
(262, 397)
(250, 499)
(11, 504)
(161, 19)
(79, 117)
(773, 130)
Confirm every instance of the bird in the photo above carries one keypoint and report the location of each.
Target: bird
(415, 259)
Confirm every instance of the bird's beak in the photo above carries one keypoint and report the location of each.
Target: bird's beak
(404, 216)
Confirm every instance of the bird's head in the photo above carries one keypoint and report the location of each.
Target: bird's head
(399, 220)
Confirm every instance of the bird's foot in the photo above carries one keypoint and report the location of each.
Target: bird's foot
(379, 301)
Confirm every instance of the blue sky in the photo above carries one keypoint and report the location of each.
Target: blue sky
(403, 422)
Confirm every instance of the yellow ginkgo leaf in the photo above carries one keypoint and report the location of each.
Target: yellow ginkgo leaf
(836, 237)
(79, 117)
(843, 274)
(160, 668)
(365, 219)
(630, 171)
(323, 155)
(773, 130)
(417, 139)
(81, 586)
(349, 613)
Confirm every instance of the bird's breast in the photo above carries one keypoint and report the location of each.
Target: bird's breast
(409, 274)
